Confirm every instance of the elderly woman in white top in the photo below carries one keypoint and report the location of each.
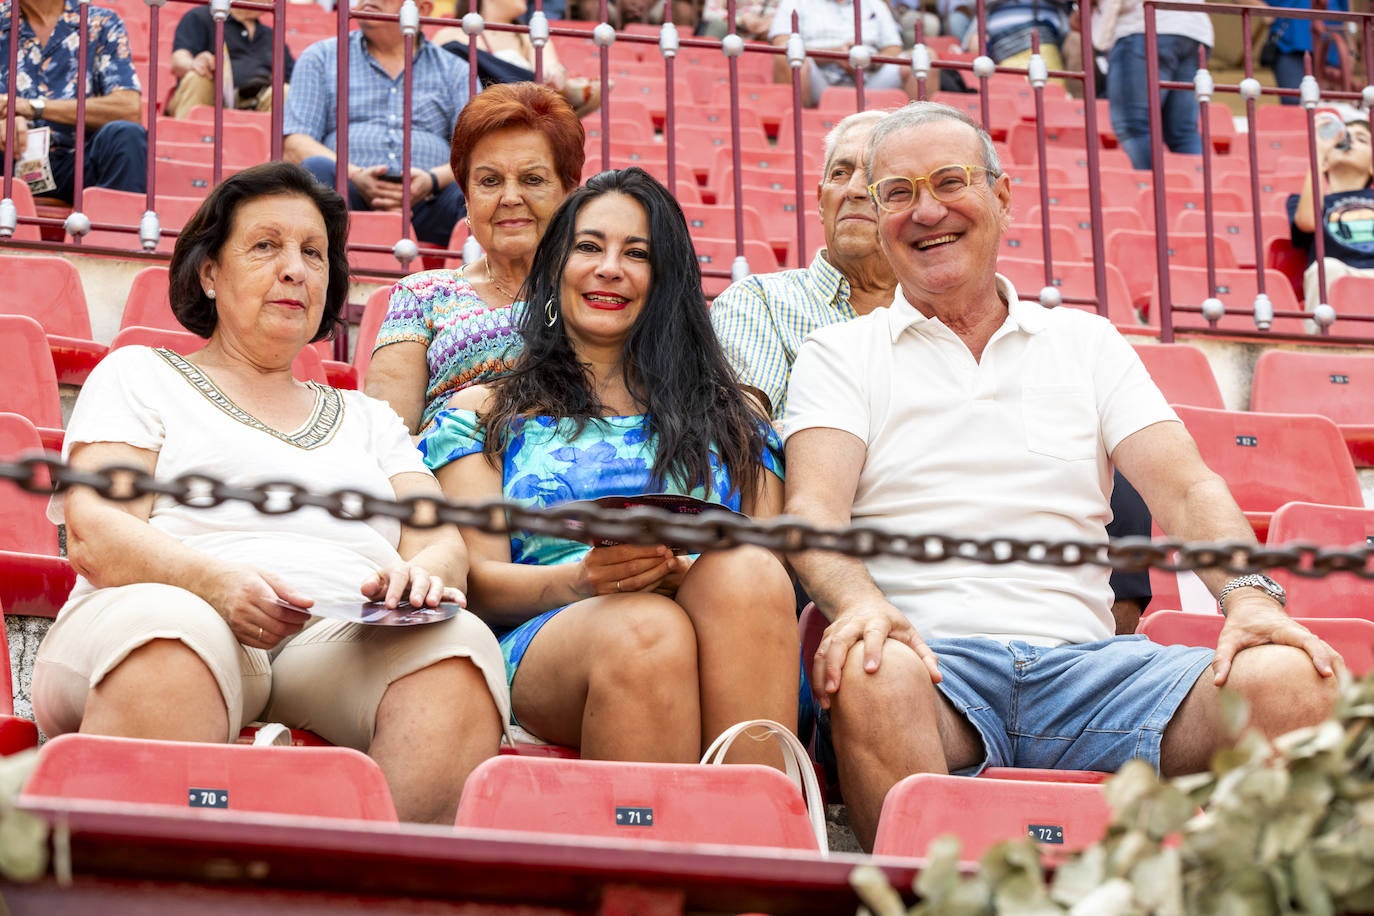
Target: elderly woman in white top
(189, 621)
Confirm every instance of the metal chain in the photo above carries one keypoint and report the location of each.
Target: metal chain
(647, 525)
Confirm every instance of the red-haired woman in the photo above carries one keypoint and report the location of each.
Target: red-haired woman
(517, 152)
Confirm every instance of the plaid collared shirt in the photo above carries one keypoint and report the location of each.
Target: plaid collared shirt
(762, 320)
(375, 105)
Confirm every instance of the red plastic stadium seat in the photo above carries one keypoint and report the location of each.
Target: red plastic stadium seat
(1133, 251)
(300, 737)
(374, 228)
(126, 208)
(1021, 240)
(741, 805)
(48, 290)
(719, 255)
(16, 734)
(1339, 386)
(34, 580)
(1074, 278)
(1350, 296)
(1268, 459)
(241, 144)
(23, 206)
(1353, 638)
(1333, 527)
(1237, 290)
(1234, 230)
(1182, 373)
(374, 313)
(1062, 817)
(28, 382)
(204, 779)
(149, 304)
(529, 749)
(308, 365)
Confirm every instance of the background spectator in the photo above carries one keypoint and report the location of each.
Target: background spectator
(248, 48)
(1182, 36)
(1347, 208)
(376, 65)
(517, 152)
(116, 153)
(1292, 41)
(516, 51)
(828, 25)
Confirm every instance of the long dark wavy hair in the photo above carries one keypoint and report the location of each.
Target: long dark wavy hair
(673, 365)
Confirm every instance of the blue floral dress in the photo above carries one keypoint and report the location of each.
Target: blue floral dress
(547, 463)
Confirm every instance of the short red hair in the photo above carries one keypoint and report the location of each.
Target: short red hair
(530, 106)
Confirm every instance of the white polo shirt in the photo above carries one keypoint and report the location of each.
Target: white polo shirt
(1016, 444)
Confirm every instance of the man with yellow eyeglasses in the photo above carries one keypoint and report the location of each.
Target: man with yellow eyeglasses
(961, 410)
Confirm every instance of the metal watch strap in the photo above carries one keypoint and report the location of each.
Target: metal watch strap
(1251, 580)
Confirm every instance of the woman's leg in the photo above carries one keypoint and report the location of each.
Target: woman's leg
(147, 661)
(433, 728)
(427, 703)
(161, 690)
(741, 603)
(615, 676)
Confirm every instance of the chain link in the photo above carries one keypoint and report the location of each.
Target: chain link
(708, 531)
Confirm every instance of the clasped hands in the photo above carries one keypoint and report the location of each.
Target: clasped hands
(630, 568)
(381, 194)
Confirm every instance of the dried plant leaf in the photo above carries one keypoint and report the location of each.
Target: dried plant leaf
(941, 875)
(1158, 881)
(876, 892)
(1114, 898)
(23, 844)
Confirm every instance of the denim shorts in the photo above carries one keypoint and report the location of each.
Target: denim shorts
(1092, 706)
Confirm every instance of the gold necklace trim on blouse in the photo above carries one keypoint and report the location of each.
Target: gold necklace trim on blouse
(316, 431)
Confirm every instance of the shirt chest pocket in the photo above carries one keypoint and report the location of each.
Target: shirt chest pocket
(1060, 421)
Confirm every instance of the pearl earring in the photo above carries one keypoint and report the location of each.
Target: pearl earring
(210, 293)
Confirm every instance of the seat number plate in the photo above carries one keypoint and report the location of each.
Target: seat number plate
(1046, 833)
(207, 798)
(633, 817)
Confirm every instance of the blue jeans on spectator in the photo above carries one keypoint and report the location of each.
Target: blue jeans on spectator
(433, 219)
(116, 157)
(1289, 69)
(1129, 97)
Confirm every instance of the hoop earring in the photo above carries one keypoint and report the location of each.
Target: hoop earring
(550, 313)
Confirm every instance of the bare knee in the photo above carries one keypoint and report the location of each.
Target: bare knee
(650, 641)
(1284, 690)
(900, 688)
(163, 689)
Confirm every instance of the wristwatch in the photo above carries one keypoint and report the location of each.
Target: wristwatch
(38, 105)
(1253, 580)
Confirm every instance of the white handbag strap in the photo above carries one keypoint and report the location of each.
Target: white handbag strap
(272, 734)
(798, 766)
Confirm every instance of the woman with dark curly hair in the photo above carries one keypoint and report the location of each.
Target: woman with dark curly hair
(191, 620)
(628, 652)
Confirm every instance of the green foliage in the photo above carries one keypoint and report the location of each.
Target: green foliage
(1273, 828)
(23, 836)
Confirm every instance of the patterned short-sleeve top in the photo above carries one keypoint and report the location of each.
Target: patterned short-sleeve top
(467, 341)
(547, 463)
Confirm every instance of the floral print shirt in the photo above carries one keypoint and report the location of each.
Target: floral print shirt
(467, 342)
(547, 463)
(49, 70)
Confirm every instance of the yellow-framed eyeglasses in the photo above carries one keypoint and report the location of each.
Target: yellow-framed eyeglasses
(897, 193)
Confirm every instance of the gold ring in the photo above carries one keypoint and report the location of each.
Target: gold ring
(259, 634)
